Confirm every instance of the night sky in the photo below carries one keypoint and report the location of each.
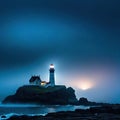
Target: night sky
(80, 37)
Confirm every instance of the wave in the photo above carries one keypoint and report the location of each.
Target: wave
(7, 116)
(8, 110)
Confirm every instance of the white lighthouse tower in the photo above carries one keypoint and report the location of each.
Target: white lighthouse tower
(52, 77)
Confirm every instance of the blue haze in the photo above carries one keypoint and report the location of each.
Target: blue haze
(81, 37)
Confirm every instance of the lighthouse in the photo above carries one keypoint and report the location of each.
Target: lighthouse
(52, 77)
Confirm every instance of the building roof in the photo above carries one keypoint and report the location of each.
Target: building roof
(33, 78)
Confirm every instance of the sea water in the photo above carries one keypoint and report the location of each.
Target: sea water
(25, 109)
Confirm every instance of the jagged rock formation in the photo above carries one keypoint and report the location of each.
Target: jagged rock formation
(40, 95)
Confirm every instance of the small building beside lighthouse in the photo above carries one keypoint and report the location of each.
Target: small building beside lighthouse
(36, 80)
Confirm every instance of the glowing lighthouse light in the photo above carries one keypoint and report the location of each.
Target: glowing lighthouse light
(51, 66)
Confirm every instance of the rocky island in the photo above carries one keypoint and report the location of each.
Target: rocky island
(47, 93)
(43, 92)
(40, 95)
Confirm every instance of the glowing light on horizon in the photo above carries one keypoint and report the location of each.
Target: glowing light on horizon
(85, 84)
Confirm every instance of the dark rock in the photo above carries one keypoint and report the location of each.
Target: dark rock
(39, 95)
(71, 95)
(3, 116)
(83, 100)
(22, 117)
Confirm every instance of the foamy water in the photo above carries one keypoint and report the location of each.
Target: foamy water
(24, 109)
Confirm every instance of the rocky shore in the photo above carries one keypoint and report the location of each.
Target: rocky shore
(109, 112)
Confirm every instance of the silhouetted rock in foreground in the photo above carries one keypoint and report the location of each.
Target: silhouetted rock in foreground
(110, 112)
(40, 95)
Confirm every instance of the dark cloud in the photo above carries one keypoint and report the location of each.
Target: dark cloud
(97, 10)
